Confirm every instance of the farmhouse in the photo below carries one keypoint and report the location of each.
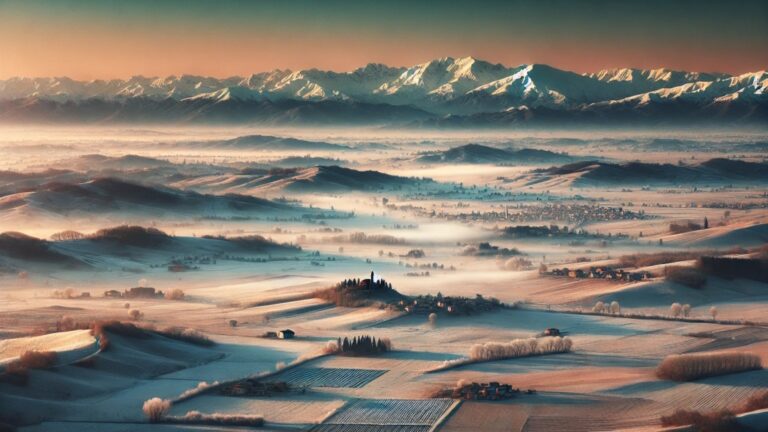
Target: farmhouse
(286, 334)
(143, 292)
(485, 391)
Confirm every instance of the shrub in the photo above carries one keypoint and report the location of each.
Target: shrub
(719, 421)
(519, 348)
(66, 323)
(684, 227)
(233, 323)
(156, 409)
(121, 328)
(689, 367)
(331, 347)
(688, 276)
(201, 387)
(135, 314)
(413, 253)
(518, 264)
(217, 419)
(67, 235)
(37, 359)
(187, 335)
(652, 259)
(175, 294)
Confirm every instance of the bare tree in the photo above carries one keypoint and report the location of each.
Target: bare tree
(686, 310)
(156, 409)
(599, 307)
(615, 307)
(675, 309)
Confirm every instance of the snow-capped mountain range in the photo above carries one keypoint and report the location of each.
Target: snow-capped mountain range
(464, 87)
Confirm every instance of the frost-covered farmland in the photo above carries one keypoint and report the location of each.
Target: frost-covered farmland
(369, 428)
(330, 377)
(412, 412)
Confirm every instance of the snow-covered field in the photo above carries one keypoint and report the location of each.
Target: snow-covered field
(423, 239)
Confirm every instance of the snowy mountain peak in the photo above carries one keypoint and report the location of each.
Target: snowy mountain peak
(443, 86)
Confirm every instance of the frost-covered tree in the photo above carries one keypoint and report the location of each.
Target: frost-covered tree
(615, 307)
(675, 309)
(686, 310)
(599, 307)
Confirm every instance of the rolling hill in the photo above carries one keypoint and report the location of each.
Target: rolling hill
(316, 179)
(126, 244)
(267, 143)
(640, 173)
(480, 154)
(113, 196)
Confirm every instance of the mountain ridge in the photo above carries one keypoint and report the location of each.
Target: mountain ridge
(378, 93)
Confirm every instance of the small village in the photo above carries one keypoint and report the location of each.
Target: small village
(452, 305)
(491, 391)
(608, 273)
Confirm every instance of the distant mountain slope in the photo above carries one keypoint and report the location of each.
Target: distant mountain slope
(480, 154)
(93, 162)
(304, 161)
(18, 247)
(316, 179)
(457, 92)
(267, 142)
(124, 245)
(640, 173)
(15, 181)
(109, 195)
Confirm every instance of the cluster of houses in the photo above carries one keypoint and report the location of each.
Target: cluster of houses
(574, 214)
(601, 273)
(486, 391)
(136, 292)
(426, 304)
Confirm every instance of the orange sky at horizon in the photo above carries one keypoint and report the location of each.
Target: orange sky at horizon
(86, 56)
(41, 43)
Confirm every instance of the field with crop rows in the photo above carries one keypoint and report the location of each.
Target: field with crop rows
(329, 377)
(399, 412)
(369, 428)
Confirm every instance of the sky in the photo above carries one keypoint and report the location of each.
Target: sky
(103, 39)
